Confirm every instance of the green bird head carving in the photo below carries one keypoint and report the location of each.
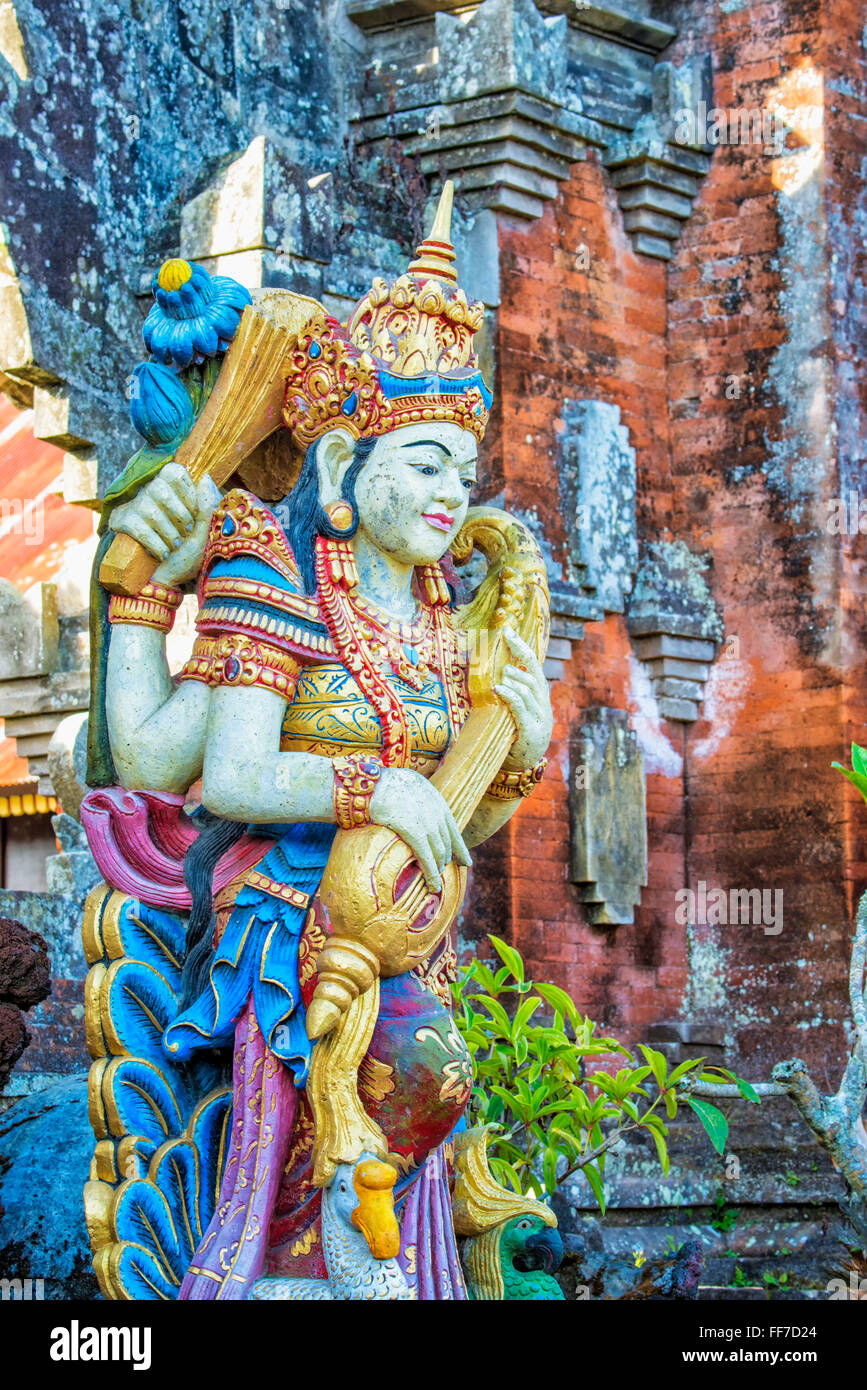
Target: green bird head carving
(514, 1261)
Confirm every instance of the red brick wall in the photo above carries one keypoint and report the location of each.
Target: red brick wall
(749, 295)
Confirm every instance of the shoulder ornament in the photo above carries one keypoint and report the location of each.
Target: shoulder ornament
(241, 525)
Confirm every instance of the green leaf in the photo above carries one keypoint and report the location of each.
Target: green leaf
(528, 1099)
(505, 1174)
(509, 956)
(524, 1014)
(637, 1076)
(747, 1091)
(568, 1139)
(714, 1121)
(605, 1083)
(559, 1000)
(657, 1062)
(684, 1069)
(858, 779)
(661, 1149)
(593, 1177)
(485, 976)
(654, 1122)
(497, 1013)
(513, 1102)
(549, 1170)
(859, 759)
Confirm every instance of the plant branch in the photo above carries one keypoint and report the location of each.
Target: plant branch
(856, 977)
(723, 1090)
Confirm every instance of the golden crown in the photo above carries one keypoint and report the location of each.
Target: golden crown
(405, 356)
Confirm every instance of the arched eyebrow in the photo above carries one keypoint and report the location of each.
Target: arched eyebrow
(446, 452)
(432, 443)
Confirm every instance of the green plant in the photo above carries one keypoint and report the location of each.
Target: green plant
(857, 773)
(792, 1179)
(724, 1217)
(740, 1280)
(774, 1281)
(549, 1118)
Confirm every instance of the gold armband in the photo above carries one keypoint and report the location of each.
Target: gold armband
(355, 779)
(238, 660)
(508, 786)
(154, 606)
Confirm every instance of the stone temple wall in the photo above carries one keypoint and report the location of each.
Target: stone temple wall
(664, 213)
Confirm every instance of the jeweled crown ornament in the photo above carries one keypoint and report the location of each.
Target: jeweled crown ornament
(405, 356)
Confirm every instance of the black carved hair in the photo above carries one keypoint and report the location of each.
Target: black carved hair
(303, 517)
(216, 836)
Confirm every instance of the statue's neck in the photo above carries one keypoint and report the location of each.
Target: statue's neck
(383, 580)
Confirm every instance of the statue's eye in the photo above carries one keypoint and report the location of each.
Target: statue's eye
(427, 469)
(468, 483)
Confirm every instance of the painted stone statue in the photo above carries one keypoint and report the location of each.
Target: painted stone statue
(278, 1086)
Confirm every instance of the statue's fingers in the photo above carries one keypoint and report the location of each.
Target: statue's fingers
(516, 698)
(521, 649)
(527, 680)
(442, 841)
(173, 504)
(535, 689)
(206, 497)
(459, 849)
(423, 850)
(430, 867)
(152, 513)
(134, 525)
(180, 481)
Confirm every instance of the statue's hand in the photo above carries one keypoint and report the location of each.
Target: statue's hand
(170, 516)
(408, 804)
(524, 687)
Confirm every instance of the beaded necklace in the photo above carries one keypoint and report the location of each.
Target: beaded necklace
(369, 641)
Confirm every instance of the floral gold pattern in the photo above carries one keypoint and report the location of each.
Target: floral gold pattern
(304, 1244)
(312, 940)
(375, 1078)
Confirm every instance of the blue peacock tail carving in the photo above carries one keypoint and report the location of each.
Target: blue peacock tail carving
(161, 1127)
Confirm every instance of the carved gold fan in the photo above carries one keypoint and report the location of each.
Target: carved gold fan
(243, 410)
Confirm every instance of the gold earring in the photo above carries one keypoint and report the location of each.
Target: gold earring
(342, 568)
(435, 585)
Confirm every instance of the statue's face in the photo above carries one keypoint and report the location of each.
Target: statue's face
(414, 490)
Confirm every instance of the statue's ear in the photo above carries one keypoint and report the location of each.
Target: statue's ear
(333, 456)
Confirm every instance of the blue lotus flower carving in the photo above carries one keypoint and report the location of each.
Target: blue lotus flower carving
(159, 405)
(196, 315)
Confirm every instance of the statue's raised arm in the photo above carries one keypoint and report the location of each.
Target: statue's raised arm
(283, 826)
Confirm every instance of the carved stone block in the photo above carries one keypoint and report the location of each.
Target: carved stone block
(675, 626)
(597, 484)
(608, 817)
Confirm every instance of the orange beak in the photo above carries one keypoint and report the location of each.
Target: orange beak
(374, 1216)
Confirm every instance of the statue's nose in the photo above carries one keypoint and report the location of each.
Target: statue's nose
(374, 1216)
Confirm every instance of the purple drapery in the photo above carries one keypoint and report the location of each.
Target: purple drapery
(233, 1251)
(428, 1248)
(139, 840)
